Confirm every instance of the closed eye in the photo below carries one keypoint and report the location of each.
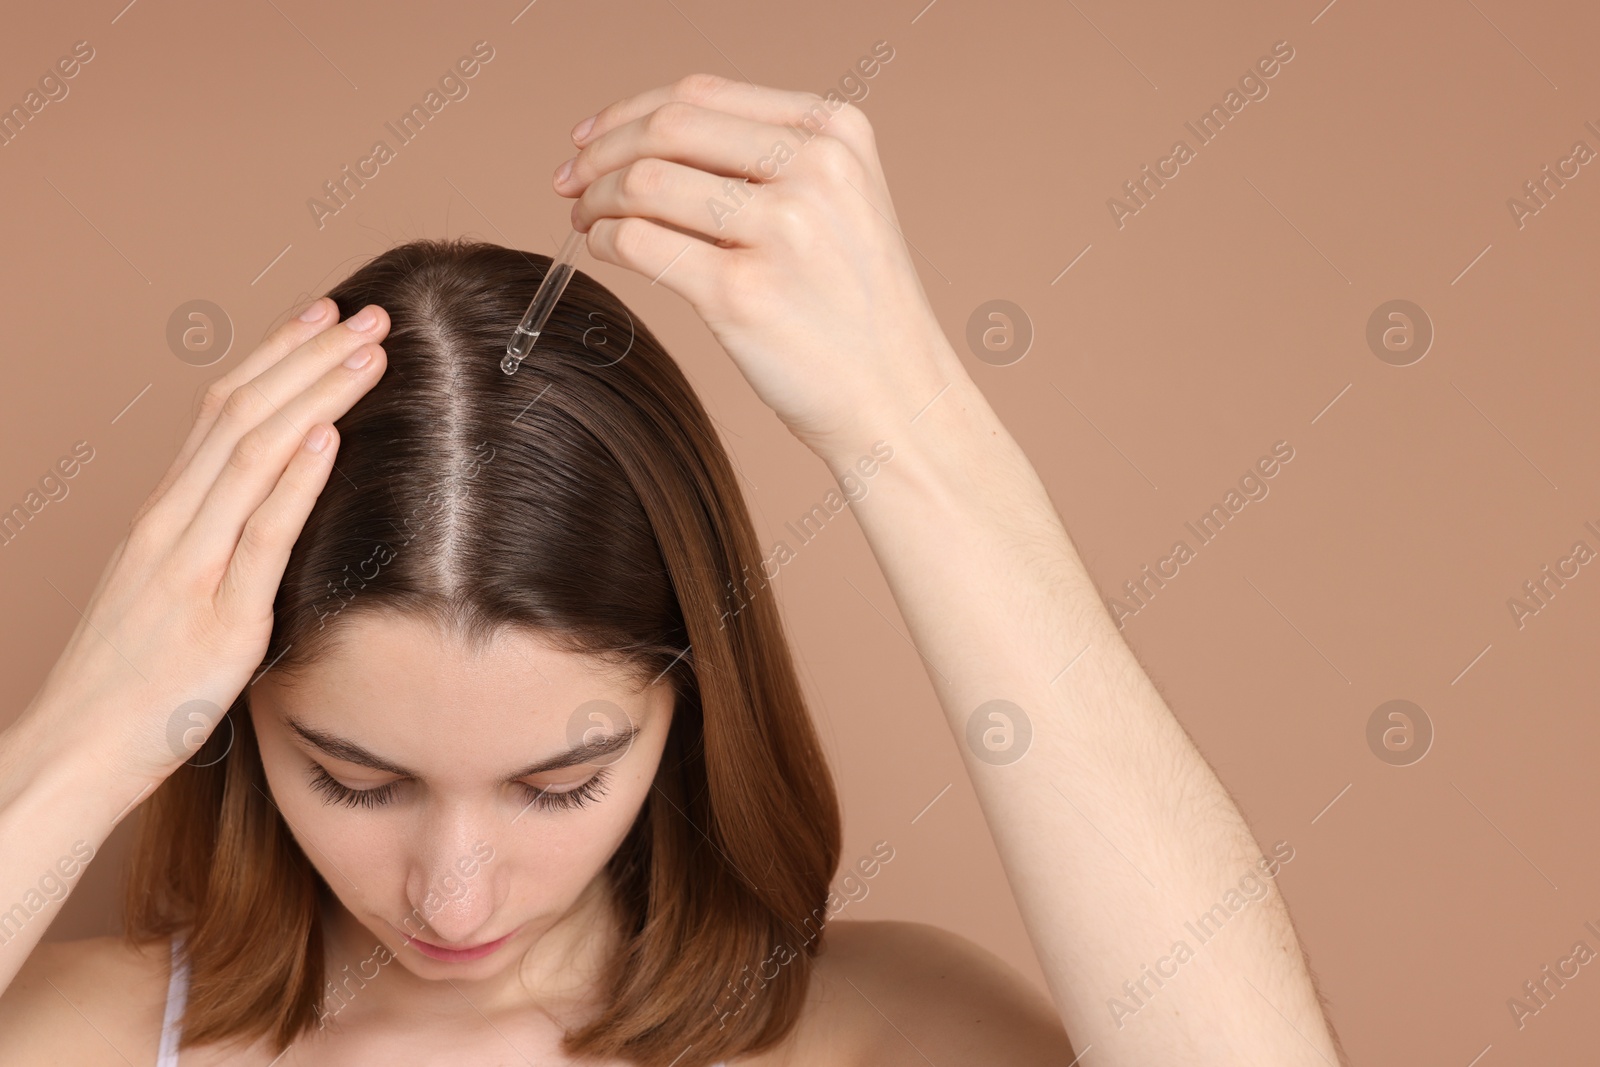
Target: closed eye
(575, 797)
(336, 792)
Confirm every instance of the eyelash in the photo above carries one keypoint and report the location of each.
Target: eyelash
(336, 792)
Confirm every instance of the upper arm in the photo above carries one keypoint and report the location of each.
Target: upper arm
(919, 993)
(83, 1002)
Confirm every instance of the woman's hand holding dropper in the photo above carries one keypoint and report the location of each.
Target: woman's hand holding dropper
(800, 273)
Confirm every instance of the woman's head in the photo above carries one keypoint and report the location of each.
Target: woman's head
(510, 615)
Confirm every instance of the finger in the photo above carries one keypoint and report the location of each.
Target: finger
(285, 339)
(258, 460)
(279, 343)
(757, 102)
(708, 140)
(258, 399)
(832, 114)
(688, 198)
(250, 583)
(684, 264)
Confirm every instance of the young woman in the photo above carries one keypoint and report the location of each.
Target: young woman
(515, 766)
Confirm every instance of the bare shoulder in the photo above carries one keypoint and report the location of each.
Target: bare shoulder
(910, 993)
(93, 1001)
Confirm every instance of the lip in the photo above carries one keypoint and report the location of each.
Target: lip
(459, 955)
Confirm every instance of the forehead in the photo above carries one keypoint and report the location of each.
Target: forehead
(402, 674)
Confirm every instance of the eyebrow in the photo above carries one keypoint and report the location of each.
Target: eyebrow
(342, 748)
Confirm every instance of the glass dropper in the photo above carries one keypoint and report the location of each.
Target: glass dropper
(544, 301)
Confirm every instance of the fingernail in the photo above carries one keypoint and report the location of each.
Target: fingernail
(564, 173)
(317, 439)
(359, 358)
(581, 130)
(314, 311)
(363, 320)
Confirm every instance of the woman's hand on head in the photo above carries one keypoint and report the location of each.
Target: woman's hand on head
(182, 613)
(801, 273)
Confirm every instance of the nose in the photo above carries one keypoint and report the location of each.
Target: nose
(449, 889)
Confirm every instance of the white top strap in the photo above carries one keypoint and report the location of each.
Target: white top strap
(177, 995)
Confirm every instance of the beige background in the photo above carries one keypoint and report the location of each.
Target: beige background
(1228, 314)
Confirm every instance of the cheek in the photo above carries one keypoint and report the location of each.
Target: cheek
(354, 850)
(551, 857)
(562, 851)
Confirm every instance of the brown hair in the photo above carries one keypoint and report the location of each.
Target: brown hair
(601, 512)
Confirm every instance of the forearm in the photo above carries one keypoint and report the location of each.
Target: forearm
(1114, 832)
(56, 810)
